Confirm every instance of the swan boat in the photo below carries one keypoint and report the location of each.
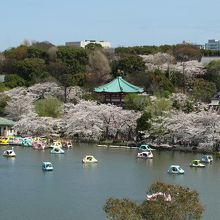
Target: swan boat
(89, 159)
(57, 150)
(145, 155)
(9, 153)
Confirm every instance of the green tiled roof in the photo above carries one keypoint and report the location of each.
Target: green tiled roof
(4, 121)
(119, 85)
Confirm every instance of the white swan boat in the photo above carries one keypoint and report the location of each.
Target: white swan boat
(9, 153)
(145, 155)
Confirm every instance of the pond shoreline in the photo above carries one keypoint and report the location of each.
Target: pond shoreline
(165, 147)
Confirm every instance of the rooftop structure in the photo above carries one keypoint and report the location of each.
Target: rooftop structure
(104, 44)
(212, 45)
(115, 91)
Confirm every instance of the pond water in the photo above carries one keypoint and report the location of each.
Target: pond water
(77, 191)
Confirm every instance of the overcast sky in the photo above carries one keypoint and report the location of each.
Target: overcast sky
(122, 22)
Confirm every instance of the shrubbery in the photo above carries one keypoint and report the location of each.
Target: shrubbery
(144, 122)
(203, 90)
(153, 110)
(136, 102)
(13, 80)
(213, 73)
(159, 107)
(48, 107)
(3, 103)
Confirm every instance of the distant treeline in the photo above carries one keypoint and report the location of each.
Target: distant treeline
(146, 50)
(181, 52)
(210, 53)
(89, 67)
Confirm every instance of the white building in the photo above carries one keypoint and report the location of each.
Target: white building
(212, 45)
(104, 44)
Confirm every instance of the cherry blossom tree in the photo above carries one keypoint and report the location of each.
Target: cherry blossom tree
(91, 121)
(194, 129)
(164, 62)
(33, 125)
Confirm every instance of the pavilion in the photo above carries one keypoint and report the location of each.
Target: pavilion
(115, 91)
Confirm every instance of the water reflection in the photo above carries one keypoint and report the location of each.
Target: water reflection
(176, 176)
(47, 173)
(10, 159)
(60, 157)
(89, 165)
(198, 171)
(148, 162)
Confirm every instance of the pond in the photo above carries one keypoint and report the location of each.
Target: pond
(78, 191)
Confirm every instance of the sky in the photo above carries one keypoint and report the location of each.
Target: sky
(121, 22)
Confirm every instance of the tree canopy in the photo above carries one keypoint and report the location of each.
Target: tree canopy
(213, 73)
(160, 72)
(184, 52)
(128, 64)
(184, 204)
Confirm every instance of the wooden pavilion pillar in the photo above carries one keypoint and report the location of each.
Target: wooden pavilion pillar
(105, 98)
